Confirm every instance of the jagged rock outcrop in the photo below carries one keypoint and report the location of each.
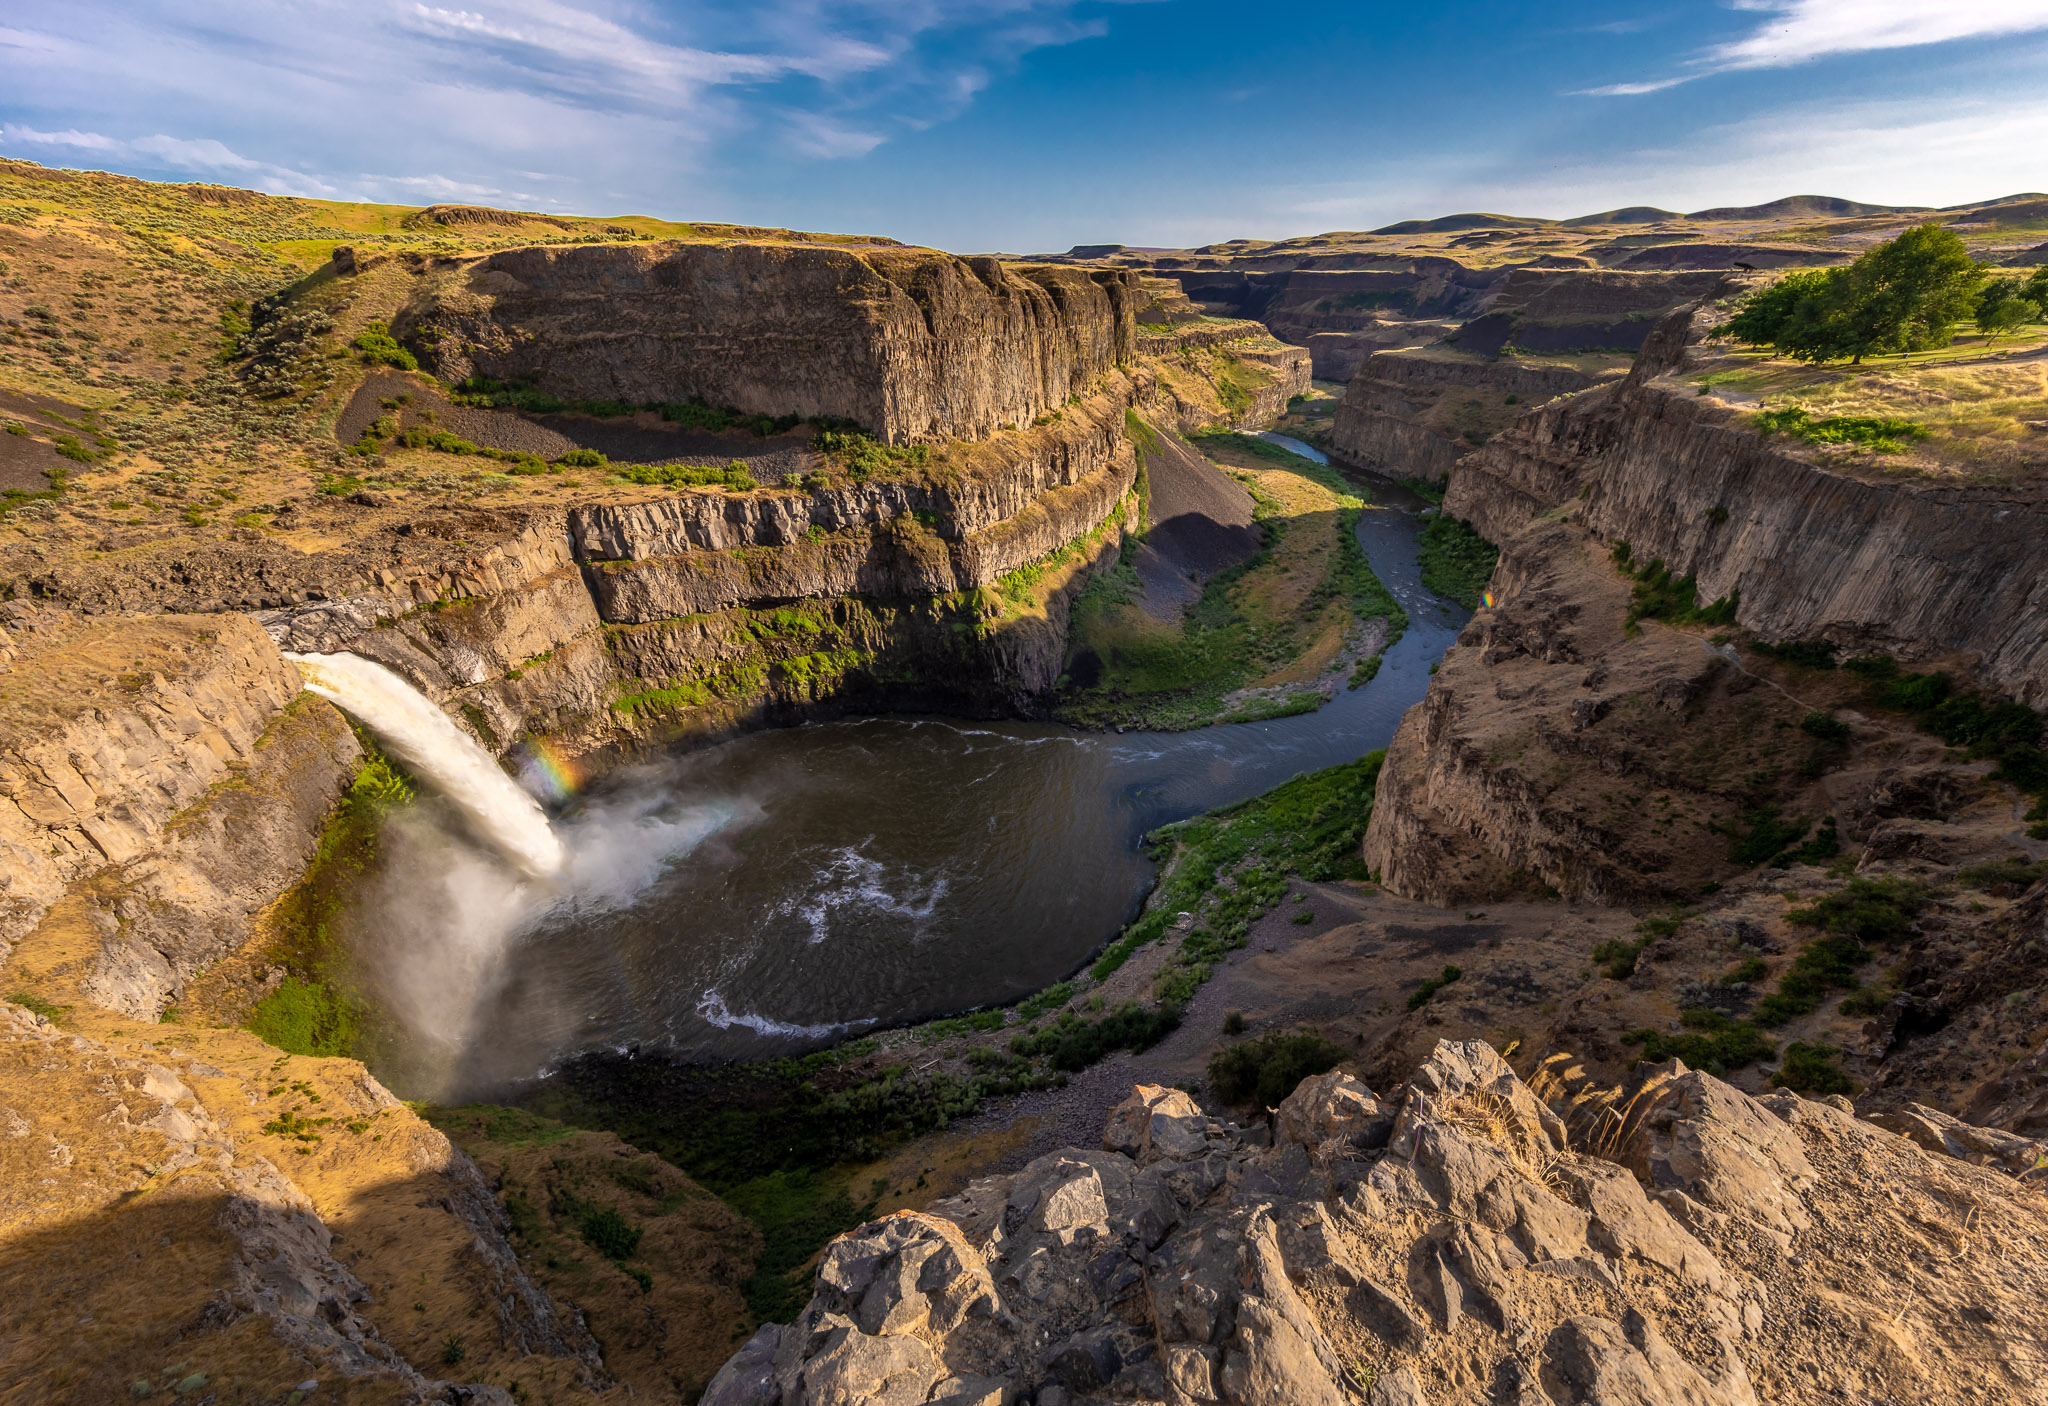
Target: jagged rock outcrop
(1913, 567)
(169, 1223)
(161, 781)
(909, 343)
(1415, 414)
(1462, 1243)
(110, 727)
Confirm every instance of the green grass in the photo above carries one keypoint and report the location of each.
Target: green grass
(315, 1010)
(1456, 561)
(1883, 435)
(48, 1010)
(1311, 826)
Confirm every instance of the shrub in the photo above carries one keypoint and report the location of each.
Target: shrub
(1811, 1069)
(453, 1349)
(1266, 1070)
(1714, 1043)
(2011, 874)
(1825, 726)
(733, 476)
(608, 1232)
(1767, 836)
(1071, 1043)
(378, 347)
(583, 459)
(1422, 994)
(1658, 595)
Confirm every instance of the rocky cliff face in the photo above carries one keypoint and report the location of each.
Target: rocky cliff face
(164, 782)
(1910, 567)
(110, 728)
(1575, 310)
(1459, 1242)
(911, 344)
(1415, 414)
(195, 1216)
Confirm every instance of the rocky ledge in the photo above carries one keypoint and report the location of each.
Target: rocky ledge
(1676, 1241)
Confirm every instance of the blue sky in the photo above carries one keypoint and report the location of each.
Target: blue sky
(1030, 125)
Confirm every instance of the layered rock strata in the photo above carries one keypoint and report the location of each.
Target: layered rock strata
(1458, 1242)
(111, 728)
(1913, 567)
(1415, 414)
(909, 343)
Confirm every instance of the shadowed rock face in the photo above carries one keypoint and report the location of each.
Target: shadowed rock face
(910, 344)
(1459, 1243)
(1911, 567)
(1392, 416)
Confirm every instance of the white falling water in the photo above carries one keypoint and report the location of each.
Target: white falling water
(440, 753)
(437, 928)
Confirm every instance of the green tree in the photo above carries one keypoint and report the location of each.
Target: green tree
(2004, 305)
(1765, 314)
(1907, 294)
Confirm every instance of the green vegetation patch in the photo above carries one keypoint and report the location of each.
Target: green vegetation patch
(1070, 1043)
(1264, 1071)
(1658, 595)
(377, 347)
(863, 456)
(315, 1010)
(1229, 868)
(734, 476)
(1862, 911)
(1129, 669)
(1456, 561)
(1427, 991)
(1811, 1069)
(1884, 435)
(1710, 1041)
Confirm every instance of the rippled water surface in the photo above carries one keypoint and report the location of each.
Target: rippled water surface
(886, 869)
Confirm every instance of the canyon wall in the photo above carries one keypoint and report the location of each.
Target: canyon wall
(1415, 414)
(1915, 567)
(910, 344)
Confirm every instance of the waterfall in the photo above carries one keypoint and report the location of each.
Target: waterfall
(449, 759)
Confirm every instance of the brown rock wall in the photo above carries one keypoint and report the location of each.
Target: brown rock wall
(911, 344)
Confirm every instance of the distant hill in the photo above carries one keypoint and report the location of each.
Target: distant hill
(1626, 215)
(1457, 222)
(1793, 205)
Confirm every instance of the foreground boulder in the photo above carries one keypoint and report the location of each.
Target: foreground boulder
(1460, 1242)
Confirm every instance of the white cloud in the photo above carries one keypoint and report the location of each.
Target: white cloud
(1809, 29)
(814, 135)
(1800, 31)
(199, 155)
(1968, 149)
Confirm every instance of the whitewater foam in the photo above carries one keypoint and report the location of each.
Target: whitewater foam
(442, 754)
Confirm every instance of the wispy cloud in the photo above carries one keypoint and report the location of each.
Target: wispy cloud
(1962, 150)
(1800, 31)
(593, 95)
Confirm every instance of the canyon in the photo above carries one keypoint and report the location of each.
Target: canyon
(605, 499)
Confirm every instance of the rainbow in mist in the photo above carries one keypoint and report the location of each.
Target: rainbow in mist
(550, 772)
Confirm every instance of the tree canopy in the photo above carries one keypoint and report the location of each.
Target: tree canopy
(1905, 295)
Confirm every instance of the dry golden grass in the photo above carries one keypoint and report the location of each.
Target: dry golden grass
(1985, 406)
